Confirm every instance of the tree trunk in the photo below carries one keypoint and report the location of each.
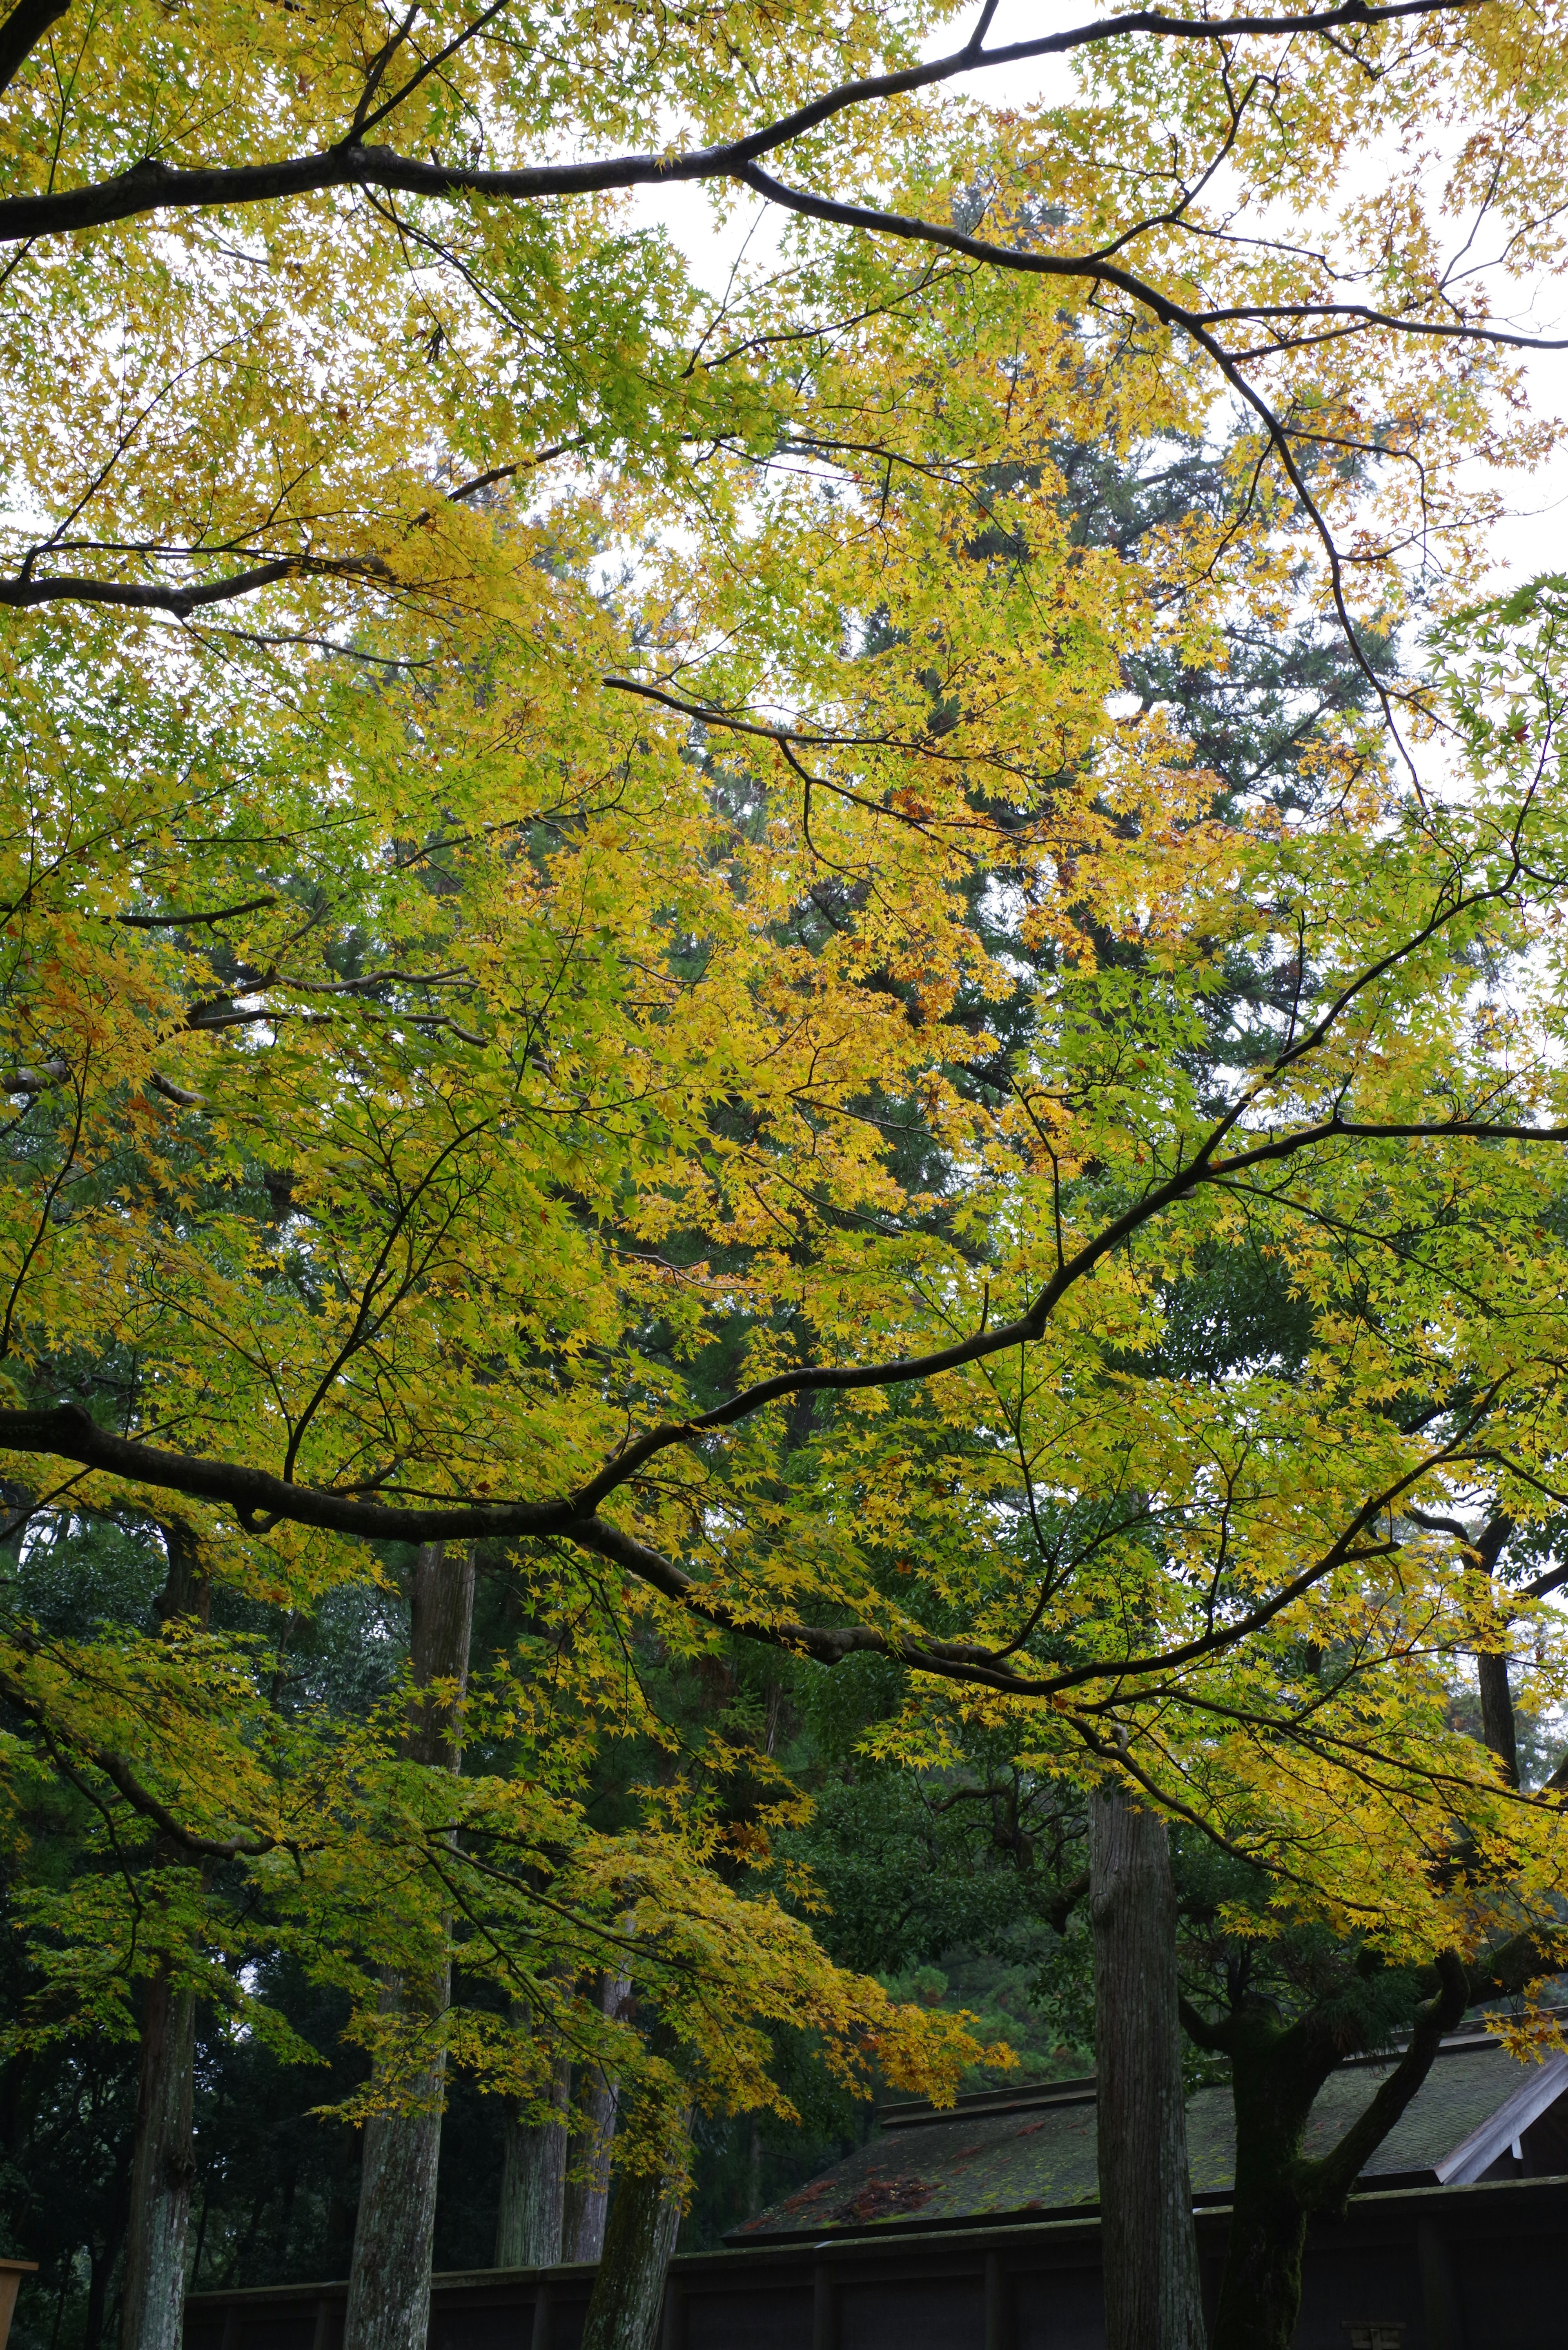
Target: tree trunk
(1491, 1665)
(1273, 2083)
(629, 2291)
(1497, 1712)
(162, 2166)
(390, 2280)
(588, 2155)
(1276, 2072)
(1154, 2297)
(152, 2299)
(389, 2275)
(529, 2227)
(187, 1586)
(587, 2171)
(102, 2258)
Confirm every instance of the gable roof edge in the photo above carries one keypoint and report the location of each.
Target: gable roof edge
(1464, 2165)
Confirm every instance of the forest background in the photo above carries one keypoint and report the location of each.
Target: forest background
(786, 1099)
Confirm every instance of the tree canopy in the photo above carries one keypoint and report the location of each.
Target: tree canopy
(870, 963)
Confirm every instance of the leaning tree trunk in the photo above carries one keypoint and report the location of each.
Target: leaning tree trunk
(152, 2298)
(530, 2224)
(629, 2291)
(588, 2155)
(389, 2275)
(163, 2163)
(1154, 2297)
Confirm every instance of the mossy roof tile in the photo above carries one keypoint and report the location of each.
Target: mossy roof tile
(1041, 2155)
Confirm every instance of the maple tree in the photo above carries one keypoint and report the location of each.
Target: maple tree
(493, 1036)
(1031, 722)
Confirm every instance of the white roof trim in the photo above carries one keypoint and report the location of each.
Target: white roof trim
(1478, 2152)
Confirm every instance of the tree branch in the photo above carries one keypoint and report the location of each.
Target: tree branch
(1325, 2185)
(120, 1775)
(21, 31)
(192, 921)
(141, 596)
(150, 186)
(1215, 2037)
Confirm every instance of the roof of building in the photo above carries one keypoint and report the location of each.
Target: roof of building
(1032, 2148)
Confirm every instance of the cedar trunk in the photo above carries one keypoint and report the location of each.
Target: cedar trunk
(390, 2280)
(1492, 1666)
(629, 2291)
(1497, 1712)
(530, 2224)
(389, 2275)
(589, 2153)
(1153, 2289)
(163, 2163)
(153, 2301)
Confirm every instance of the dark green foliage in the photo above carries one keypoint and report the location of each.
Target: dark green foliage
(276, 2183)
(66, 2119)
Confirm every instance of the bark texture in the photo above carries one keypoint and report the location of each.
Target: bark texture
(1276, 2072)
(530, 2224)
(163, 2163)
(1154, 2297)
(1497, 1712)
(389, 2279)
(389, 2275)
(1492, 1666)
(440, 1629)
(152, 2298)
(589, 2153)
(629, 2291)
(1273, 2083)
(187, 1587)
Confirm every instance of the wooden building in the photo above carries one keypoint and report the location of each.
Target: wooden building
(977, 2230)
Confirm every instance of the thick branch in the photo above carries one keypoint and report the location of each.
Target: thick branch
(141, 596)
(1324, 2184)
(150, 186)
(1061, 1905)
(36, 1079)
(71, 1434)
(21, 31)
(1516, 1964)
(260, 1501)
(1214, 2036)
